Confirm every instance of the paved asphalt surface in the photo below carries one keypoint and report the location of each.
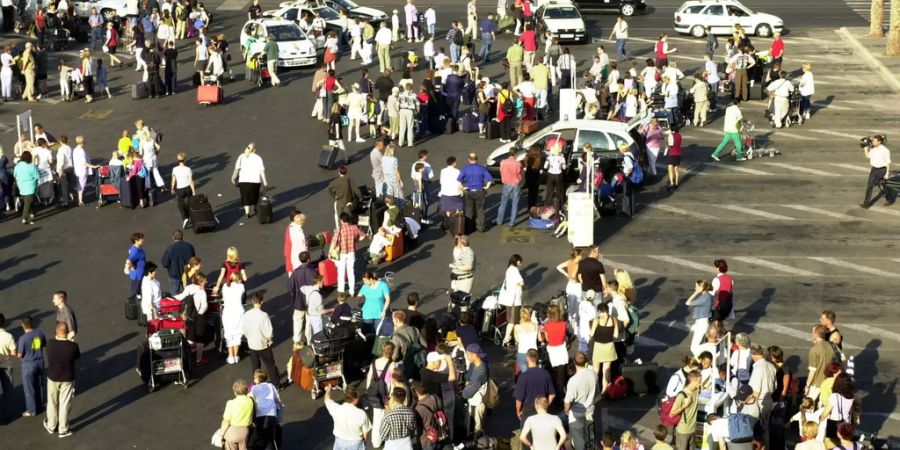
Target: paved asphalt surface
(790, 226)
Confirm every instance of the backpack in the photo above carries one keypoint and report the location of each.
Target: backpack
(740, 428)
(413, 359)
(378, 390)
(181, 13)
(664, 408)
(440, 431)
(491, 397)
(637, 173)
(457, 37)
(508, 106)
(634, 318)
(618, 389)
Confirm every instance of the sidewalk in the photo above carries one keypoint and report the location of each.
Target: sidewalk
(871, 50)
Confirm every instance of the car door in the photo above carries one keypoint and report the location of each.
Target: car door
(714, 17)
(736, 14)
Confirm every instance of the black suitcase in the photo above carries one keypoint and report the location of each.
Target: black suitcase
(132, 308)
(328, 156)
(139, 91)
(470, 122)
(129, 192)
(456, 223)
(46, 192)
(264, 210)
(201, 214)
(410, 211)
(493, 129)
(643, 378)
(197, 79)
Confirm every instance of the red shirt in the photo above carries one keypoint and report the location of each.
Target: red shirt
(659, 49)
(777, 48)
(528, 41)
(346, 238)
(556, 333)
(675, 149)
(510, 171)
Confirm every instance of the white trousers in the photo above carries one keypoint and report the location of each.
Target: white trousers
(345, 272)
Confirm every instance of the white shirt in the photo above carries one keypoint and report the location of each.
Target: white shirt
(671, 92)
(313, 300)
(355, 30)
(781, 87)
(712, 72)
(673, 73)
(350, 422)
(80, 161)
(427, 173)
(182, 176)
(555, 164)
(63, 158)
(449, 184)
(252, 168)
(807, 84)
(151, 294)
(379, 243)
(428, 49)
(841, 408)
(879, 156)
(620, 30)
(439, 60)
(514, 283)
(298, 243)
(383, 36)
(199, 296)
(526, 88)
(543, 428)
(430, 16)
(613, 81)
(586, 313)
(719, 429)
(44, 157)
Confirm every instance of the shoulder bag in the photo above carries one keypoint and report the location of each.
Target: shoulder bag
(237, 170)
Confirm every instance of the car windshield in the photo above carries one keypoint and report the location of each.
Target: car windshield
(347, 4)
(284, 33)
(563, 13)
(327, 13)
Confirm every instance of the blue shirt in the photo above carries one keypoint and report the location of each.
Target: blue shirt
(148, 25)
(532, 384)
(488, 26)
(138, 259)
(31, 346)
(374, 299)
(474, 177)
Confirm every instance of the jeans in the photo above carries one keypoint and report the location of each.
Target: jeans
(431, 29)
(345, 272)
(96, 38)
(510, 193)
(628, 191)
(582, 432)
(181, 199)
(315, 324)
(522, 363)
(368, 326)
(713, 94)
(35, 387)
(805, 104)
(486, 42)
(620, 49)
(733, 137)
(171, 80)
(344, 444)
(454, 53)
(7, 388)
(175, 286)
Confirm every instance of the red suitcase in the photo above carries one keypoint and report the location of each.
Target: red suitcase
(328, 270)
(158, 324)
(169, 306)
(209, 94)
(326, 237)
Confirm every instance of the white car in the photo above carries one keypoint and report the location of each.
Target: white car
(295, 48)
(294, 11)
(562, 20)
(720, 16)
(104, 7)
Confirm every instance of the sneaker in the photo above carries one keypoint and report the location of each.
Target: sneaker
(360, 140)
(65, 435)
(715, 158)
(741, 159)
(230, 360)
(237, 359)
(47, 427)
(426, 222)
(184, 223)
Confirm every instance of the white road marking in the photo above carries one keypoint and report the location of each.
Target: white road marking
(784, 133)
(630, 268)
(823, 212)
(865, 328)
(823, 105)
(754, 212)
(777, 266)
(856, 267)
(839, 134)
(741, 169)
(792, 332)
(802, 169)
(708, 131)
(885, 210)
(685, 263)
(680, 211)
(850, 167)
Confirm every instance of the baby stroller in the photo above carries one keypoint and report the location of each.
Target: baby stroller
(165, 353)
(58, 39)
(329, 346)
(794, 116)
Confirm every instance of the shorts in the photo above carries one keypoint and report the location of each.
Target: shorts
(112, 50)
(674, 160)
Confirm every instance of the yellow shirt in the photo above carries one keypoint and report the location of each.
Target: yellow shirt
(239, 411)
(825, 390)
(124, 145)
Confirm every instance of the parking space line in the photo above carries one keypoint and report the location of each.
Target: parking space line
(777, 266)
(783, 134)
(865, 328)
(850, 167)
(232, 5)
(802, 169)
(685, 263)
(856, 267)
(837, 133)
(885, 210)
(741, 169)
(824, 212)
(682, 212)
(630, 268)
(754, 212)
(708, 131)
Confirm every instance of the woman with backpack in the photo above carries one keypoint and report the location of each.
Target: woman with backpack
(230, 267)
(378, 378)
(741, 364)
(194, 314)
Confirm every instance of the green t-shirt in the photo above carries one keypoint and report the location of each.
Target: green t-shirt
(688, 423)
(515, 53)
(271, 50)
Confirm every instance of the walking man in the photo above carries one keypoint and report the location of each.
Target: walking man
(511, 177)
(880, 160)
(351, 423)
(345, 242)
(61, 356)
(271, 51)
(475, 180)
(620, 32)
(488, 34)
(175, 258)
(732, 128)
(257, 327)
(780, 90)
(514, 56)
(375, 157)
(579, 403)
(345, 194)
(30, 350)
(472, 16)
(383, 40)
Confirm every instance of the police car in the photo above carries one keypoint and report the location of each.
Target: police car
(353, 10)
(295, 48)
(562, 19)
(693, 17)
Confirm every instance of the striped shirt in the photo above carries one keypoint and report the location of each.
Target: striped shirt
(400, 423)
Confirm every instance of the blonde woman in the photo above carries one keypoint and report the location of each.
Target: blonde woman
(807, 89)
(604, 331)
(390, 166)
(182, 187)
(6, 73)
(237, 418)
(232, 314)
(393, 112)
(569, 269)
(356, 110)
(193, 267)
(249, 176)
(626, 286)
(629, 441)
(462, 269)
(527, 334)
(231, 266)
(87, 74)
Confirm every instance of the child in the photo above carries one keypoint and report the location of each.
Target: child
(428, 51)
(418, 186)
(335, 127)
(341, 313)
(116, 168)
(563, 227)
(660, 433)
(380, 242)
(101, 78)
(372, 115)
(809, 413)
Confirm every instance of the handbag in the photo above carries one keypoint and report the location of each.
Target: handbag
(217, 439)
(504, 297)
(237, 171)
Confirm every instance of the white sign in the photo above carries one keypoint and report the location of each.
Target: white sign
(23, 124)
(581, 219)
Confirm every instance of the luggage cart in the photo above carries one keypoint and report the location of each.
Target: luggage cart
(492, 317)
(329, 346)
(167, 356)
(107, 184)
(752, 147)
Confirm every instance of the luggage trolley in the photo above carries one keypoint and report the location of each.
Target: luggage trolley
(751, 146)
(491, 316)
(107, 184)
(165, 353)
(329, 346)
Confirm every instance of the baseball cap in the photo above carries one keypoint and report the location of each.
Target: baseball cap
(743, 392)
(476, 349)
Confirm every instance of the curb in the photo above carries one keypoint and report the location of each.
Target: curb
(890, 80)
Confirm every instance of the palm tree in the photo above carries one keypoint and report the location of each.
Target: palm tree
(893, 43)
(876, 18)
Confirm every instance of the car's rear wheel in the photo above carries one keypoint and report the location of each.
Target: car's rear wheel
(763, 30)
(627, 10)
(698, 31)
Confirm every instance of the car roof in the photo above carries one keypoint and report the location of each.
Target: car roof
(590, 124)
(272, 21)
(711, 2)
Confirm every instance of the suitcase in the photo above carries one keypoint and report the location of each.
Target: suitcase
(493, 129)
(108, 190)
(395, 250)
(159, 324)
(169, 306)
(209, 94)
(326, 237)
(456, 223)
(449, 125)
(264, 210)
(132, 308)
(328, 157)
(128, 193)
(470, 122)
(307, 378)
(412, 212)
(529, 126)
(541, 224)
(201, 214)
(197, 79)
(46, 191)
(139, 91)
(642, 378)
(328, 270)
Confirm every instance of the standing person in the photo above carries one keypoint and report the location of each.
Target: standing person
(170, 57)
(592, 274)
(351, 423)
(555, 165)
(257, 328)
(232, 312)
(6, 73)
(462, 269)
(723, 293)
(409, 108)
(569, 269)
(807, 90)
(383, 41)
(249, 175)
(477, 376)
(175, 258)
(700, 303)
(880, 161)
(488, 35)
(545, 430)
(151, 292)
(30, 349)
(451, 192)
(315, 307)
(820, 355)
(345, 193)
(762, 380)
(732, 129)
(455, 37)
(344, 245)
(511, 177)
(304, 274)
(426, 177)
(620, 32)
(271, 51)
(712, 42)
(294, 241)
(7, 354)
(254, 11)
(776, 51)
(26, 176)
(399, 426)
(579, 403)
(412, 16)
(375, 158)
(476, 180)
(65, 170)
(533, 170)
(238, 418)
(742, 62)
(506, 112)
(780, 90)
(231, 267)
(61, 356)
(268, 408)
(531, 385)
(29, 67)
(529, 47)
(673, 155)
(629, 166)
(564, 65)
(701, 93)
(183, 188)
(605, 330)
(686, 405)
(111, 44)
(663, 51)
(134, 264)
(515, 56)
(376, 303)
(711, 72)
(511, 295)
